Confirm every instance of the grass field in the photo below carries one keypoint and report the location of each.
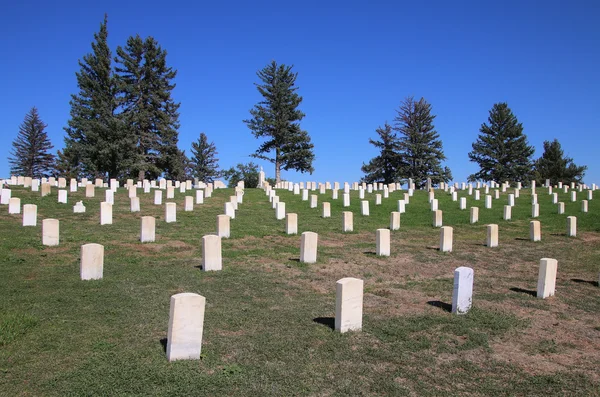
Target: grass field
(268, 325)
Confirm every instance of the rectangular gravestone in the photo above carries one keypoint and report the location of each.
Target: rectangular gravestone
(186, 324)
(446, 234)
(280, 211)
(92, 261)
(30, 215)
(308, 247)
(134, 204)
(347, 221)
(106, 217)
(383, 242)
(62, 196)
(170, 212)
(507, 212)
(90, 191)
(571, 226)
(346, 199)
(547, 278)
(326, 210)
(211, 253)
(474, 215)
(199, 196)
(401, 206)
(229, 210)
(463, 203)
(462, 293)
(189, 203)
(158, 197)
(291, 223)
(395, 220)
(535, 231)
(364, 208)
(14, 205)
(223, 226)
(349, 304)
(492, 236)
(50, 232)
(148, 230)
(437, 218)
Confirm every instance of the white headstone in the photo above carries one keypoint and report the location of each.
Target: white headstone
(348, 304)
(186, 323)
(462, 294)
(92, 261)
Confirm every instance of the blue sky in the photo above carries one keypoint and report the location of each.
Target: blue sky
(356, 61)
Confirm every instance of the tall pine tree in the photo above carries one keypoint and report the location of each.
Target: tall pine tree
(30, 156)
(205, 164)
(501, 150)
(149, 112)
(277, 118)
(420, 146)
(96, 138)
(386, 166)
(555, 166)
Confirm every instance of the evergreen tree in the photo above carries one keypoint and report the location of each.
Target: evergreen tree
(205, 164)
(66, 164)
(149, 112)
(419, 144)
(30, 156)
(386, 166)
(555, 166)
(95, 137)
(277, 118)
(242, 172)
(501, 150)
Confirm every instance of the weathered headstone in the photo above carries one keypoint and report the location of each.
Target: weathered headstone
(347, 221)
(492, 236)
(90, 190)
(446, 236)
(535, 231)
(14, 205)
(50, 232)
(433, 204)
(92, 261)
(349, 304)
(507, 212)
(462, 293)
(395, 220)
(211, 253)
(170, 192)
(186, 323)
(170, 212)
(134, 204)
(547, 278)
(223, 226)
(571, 226)
(229, 210)
(62, 196)
(105, 213)
(346, 199)
(308, 247)
(326, 210)
(6, 195)
(383, 242)
(30, 215)
(291, 223)
(280, 211)
(148, 229)
(474, 218)
(401, 206)
(158, 194)
(364, 208)
(584, 206)
(437, 218)
(561, 208)
(189, 203)
(313, 201)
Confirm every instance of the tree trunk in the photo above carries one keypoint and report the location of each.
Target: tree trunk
(277, 167)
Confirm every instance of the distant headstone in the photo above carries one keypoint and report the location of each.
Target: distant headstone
(170, 212)
(347, 221)
(79, 208)
(50, 232)
(395, 220)
(547, 278)
(106, 213)
(30, 215)
(291, 223)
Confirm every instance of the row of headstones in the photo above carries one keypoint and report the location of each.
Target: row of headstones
(186, 314)
(113, 183)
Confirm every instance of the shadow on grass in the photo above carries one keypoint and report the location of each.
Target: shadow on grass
(370, 253)
(524, 291)
(559, 234)
(433, 247)
(522, 239)
(294, 259)
(578, 280)
(163, 342)
(326, 321)
(442, 305)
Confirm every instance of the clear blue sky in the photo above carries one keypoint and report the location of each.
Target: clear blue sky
(356, 61)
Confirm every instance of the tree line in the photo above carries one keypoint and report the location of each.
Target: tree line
(412, 149)
(124, 123)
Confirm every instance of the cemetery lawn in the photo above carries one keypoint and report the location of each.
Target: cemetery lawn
(269, 318)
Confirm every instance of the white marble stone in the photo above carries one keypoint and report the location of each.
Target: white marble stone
(492, 236)
(347, 221)
(474, 218)
(349, 304)
(148, 229)
(30, 215)
(395, 220)
(535, 231)
(106, 217)
(571, 226)
(186, 325)
(383, 242)
(92, 261)
(134, 204)
(14, 205)
(437, 218)
(211, 253)
(547, 278)
(462, 293)
(79, 208)
(50, 232)
(170, 212)
(291, 223)
(188, 203)
(229, 210)
(446, 237)
(223, 226)
(326, 210)
(308, 247)
(280, 211)
(364, 208)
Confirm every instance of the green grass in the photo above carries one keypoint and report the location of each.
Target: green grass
(267, 317)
